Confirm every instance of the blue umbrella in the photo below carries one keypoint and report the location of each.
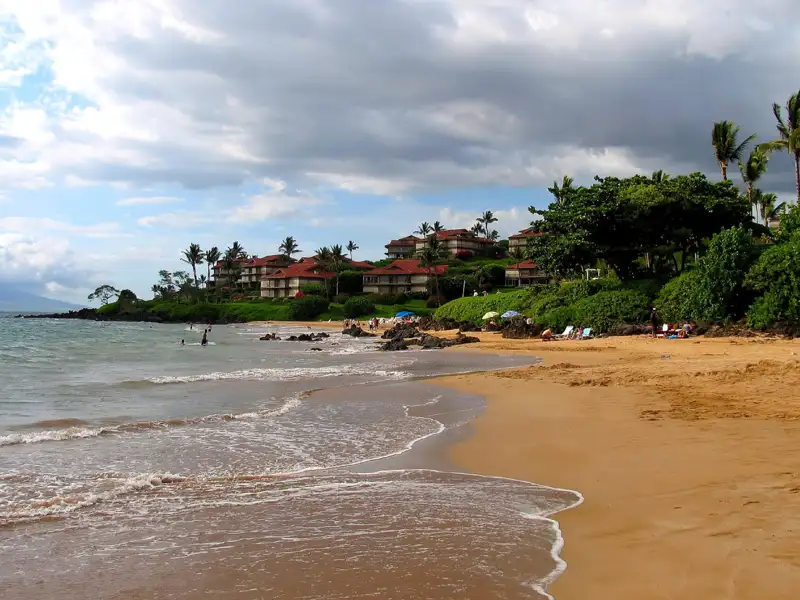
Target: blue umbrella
(404, 313)
(510, 314)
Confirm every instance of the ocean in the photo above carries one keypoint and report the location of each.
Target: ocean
(132, 466)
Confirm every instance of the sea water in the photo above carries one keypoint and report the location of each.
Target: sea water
(133, 466)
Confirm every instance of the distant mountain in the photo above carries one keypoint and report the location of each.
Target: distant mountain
(12, 300)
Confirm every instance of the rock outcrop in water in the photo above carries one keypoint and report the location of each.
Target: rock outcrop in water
(307, 337)
(356, 332)
(402, 331)
(269, 337)
(427, 342)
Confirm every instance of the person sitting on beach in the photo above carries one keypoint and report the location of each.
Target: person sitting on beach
(547, 335)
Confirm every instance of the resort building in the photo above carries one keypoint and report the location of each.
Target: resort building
(403, 276)
(402, 248)
(456, 241)
(521, 239)
(289, 280)
(250, 270)
(524, 273)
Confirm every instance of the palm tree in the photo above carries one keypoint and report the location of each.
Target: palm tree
(156, 289)
(193, 256)
(212, 256)
(486, 219)
(236, 251)
(351, 247)
(493, 235)
(337, 262)
(789, 134)
(424, 229)
(477, 229)
(324, 259)
(561, 192)
(659, 176)
(232, 265)
(767, 205)
(726, 148)
(429, 258)
(753, 169)
(289, 247)
(437, 227)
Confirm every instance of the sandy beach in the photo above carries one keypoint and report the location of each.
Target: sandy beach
(685, 450)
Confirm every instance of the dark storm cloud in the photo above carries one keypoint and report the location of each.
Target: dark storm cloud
(380, 90)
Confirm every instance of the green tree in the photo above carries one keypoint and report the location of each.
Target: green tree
(324, 258)
(104, 293)
(337, 261)
(429, 259)
(212, 256)
(485, 221)
(560, 193)
(193, 256)
(788, 134)
(752, 170)
(727, 148)
(289, 247)
(437, 227)
(424, 229)
(351, 247)
(767, 205)
(776, 278)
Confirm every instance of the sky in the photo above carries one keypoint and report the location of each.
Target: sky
(131, 128)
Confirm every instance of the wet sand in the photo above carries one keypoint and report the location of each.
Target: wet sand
(685, 450)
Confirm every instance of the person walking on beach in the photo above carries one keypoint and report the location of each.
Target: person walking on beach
(654, 321)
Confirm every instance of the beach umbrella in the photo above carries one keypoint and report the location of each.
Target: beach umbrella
(511, 314)
(490, 315)
(404, 313)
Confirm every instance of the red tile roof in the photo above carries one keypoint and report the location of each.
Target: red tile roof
(529, 232)
(525, 264)
(308, 268)
(265, 261)
(407, 266)
(409, 240)
(453, 234)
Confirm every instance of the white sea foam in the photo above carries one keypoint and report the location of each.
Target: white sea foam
(378, 369)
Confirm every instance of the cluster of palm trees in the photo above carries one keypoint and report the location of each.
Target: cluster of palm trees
(482, 227)
(232, 258)
(728, 149)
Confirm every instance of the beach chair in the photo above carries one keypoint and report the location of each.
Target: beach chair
(567, 332)
(587, 333)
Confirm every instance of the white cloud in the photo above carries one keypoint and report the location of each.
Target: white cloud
(30, 225)
(142, 200)
(450, 93)
(275, 203)
(179, 219)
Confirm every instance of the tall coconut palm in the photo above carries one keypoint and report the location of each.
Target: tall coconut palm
(789, 134)
(726, 147)
(752, 170)
(659, 176)
(429, 258)
(424, 229)
(437, 227)
(232, 264)
(212, 256)
(289, 247)
(235, 250)
(561, 192)
(324, 260)
(337, 261)
(486, 219)
(767, 205)
(477, 229)
(351, 247)
(193, 256)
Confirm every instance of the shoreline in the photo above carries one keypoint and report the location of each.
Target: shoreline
(646, 430)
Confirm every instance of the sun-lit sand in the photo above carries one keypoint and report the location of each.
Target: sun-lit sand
(687, 452)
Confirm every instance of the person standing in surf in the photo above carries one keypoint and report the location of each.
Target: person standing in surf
(204, 341)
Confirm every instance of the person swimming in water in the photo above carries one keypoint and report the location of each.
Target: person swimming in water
(204, 341)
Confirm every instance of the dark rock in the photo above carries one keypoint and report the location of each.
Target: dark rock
(316, 350)
(394, 345)
(357, 332)
(518, 329)
(269, 337)
(401, 331)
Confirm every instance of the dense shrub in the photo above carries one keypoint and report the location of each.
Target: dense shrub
(495, 252)
(471, 309)
(351, 282)
(308, 308)
(776, 275)
(435, 301)
(464, 254)
(676, 300)
(358, 307)
(491, 275)
(558, 319)
(387, 299)
(315, 289)
(605, 310)
(341, 298)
